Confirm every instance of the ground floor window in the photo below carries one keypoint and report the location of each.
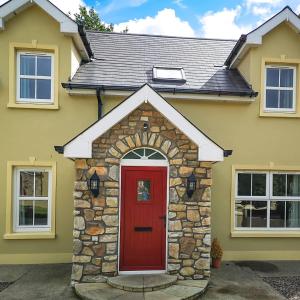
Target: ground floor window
(32, 199)
(267, 200)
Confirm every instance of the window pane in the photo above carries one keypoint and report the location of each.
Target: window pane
(169, 73)
(26, 183)
(279, 188)
(43, 89)
(242, 213)
(277, 214)
(27, 65)
(41, 212)
(44, 65)
(286, 99)
(292, 214)
(131, 155)
(156, 155)
(244, 184)
(259, 214)
(141, 151)
(26, 212)
(286, 77)
(272, 77)
(41, 184)
(27, 88)
(293, 185)
(272, 98)
(149, 152)
(258, 184)
(143, 190)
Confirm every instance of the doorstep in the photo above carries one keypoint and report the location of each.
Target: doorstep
(142, 287)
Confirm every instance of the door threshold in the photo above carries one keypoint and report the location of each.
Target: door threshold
(142, 272)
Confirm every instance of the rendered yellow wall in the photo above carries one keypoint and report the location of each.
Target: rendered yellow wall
(245, 67)
(255, 140)
(28, 133)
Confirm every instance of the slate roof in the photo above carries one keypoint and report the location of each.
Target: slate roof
(125, 61)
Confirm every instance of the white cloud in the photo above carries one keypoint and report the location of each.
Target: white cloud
(259, 2)
(261, 11)
(164, 23)
(298, 9)
(179, 3)
(117, 5)
(222, 24)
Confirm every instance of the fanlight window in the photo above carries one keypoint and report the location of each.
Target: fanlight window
(144, 153)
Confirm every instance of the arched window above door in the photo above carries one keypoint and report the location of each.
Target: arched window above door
(144, 154)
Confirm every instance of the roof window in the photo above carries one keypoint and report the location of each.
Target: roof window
(168, 74)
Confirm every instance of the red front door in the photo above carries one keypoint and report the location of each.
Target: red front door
(143, 217)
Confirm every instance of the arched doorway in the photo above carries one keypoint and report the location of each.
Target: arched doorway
(144, 190)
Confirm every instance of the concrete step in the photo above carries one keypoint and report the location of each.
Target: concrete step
(142, 283)
(182, 290)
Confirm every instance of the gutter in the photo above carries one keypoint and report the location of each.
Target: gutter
(100, 103)
(96, 87)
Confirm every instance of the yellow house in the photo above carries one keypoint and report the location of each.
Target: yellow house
(125, 153)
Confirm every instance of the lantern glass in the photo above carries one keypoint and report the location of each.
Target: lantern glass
(94, 184)
(191, 185)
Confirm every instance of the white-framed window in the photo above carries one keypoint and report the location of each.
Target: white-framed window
(280, 89)
(267, 200)
(168, 74)
(35, 79)
(32, 199)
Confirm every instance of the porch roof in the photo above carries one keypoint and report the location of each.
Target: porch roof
(81, 145)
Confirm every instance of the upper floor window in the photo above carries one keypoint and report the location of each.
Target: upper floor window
(280, 92)
(34, 77)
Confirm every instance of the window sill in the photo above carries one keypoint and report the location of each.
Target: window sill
(33, 106)
(280, 114)
(29, 236)
(263, 234)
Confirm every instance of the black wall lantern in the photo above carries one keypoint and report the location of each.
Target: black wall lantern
(191, 185)
(94, 184)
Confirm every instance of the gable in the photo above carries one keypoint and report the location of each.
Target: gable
(13, 8)
(255, 37)
(81, 146)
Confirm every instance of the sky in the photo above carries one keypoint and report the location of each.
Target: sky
(194, 18)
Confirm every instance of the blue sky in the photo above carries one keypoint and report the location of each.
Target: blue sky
(199, 18)
(213, 18)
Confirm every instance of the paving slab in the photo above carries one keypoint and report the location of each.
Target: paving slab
(195, 283)
(103, 291)
(37, 282)
(184, 292)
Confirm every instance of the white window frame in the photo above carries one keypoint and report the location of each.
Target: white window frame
(156, 77)
(17, 198)
(287, 110)
(268, 198)
(35, 77)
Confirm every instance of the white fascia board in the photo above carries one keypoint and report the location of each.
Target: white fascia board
(254, 38)
(81, 146)
(165, 95)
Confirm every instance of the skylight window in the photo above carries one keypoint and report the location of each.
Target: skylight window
(165, 73)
